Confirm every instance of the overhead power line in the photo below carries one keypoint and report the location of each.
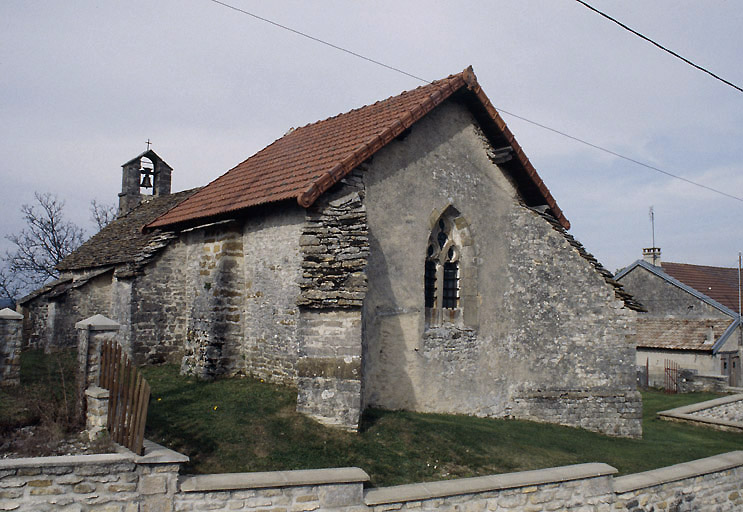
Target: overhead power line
(638, 34)
(318, 40)
(535, 123)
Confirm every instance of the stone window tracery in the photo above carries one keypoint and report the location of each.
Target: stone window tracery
(448, 241)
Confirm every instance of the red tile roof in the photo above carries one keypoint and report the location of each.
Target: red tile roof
(307, 161)
(679, 334)
(718, 283)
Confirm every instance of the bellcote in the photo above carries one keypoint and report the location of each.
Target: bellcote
(143, 177)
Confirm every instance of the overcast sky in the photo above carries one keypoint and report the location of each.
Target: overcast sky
(83, 85)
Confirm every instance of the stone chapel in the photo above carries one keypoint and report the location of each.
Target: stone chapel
(403, 255)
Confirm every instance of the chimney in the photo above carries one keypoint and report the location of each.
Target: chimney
(651, 255)
(710, 336)
(142, 178)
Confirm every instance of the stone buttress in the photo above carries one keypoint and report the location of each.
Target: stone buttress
(335, 248)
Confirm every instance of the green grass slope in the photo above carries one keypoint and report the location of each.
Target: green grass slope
(235, 425)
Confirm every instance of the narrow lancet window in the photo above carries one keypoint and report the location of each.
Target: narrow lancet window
(441, 273)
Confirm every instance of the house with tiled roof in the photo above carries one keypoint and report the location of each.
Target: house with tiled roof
(692, 319)
(403, 255)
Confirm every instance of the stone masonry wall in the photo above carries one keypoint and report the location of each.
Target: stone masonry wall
(215, 292)
(586, 377)
(78, 303)
(158, 307)
(335, 248)
(552, 340)
(49, 318)
(272, 270)
(35, 323)
(120, 482)
(329, 369)
(123, 482)
(714, 483)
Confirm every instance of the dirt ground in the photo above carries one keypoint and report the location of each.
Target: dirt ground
(38, 441)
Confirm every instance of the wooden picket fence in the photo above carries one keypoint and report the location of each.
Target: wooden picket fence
(129, 395)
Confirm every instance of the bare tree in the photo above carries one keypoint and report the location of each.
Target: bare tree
(10, 287)
(44, 242)
(102, 214)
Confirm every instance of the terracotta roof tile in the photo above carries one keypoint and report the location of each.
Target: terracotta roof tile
(305, 162)
(679, 334)
(718, 283)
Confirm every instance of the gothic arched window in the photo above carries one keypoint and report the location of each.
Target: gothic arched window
(442, 270)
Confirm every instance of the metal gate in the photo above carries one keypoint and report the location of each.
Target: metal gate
(671, 372)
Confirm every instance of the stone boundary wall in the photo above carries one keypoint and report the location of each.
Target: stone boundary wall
(713, 483)
(123, 482)
(110, 482)
(581, 487)
(725, 413)
(298, 491)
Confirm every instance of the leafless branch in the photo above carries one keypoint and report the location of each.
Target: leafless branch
(102, 214)
(45, 241)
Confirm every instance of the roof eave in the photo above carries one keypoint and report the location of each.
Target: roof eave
(725, 336)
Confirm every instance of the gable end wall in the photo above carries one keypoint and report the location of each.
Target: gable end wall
(551, 342)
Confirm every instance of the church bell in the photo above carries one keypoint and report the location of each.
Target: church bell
(146, 181)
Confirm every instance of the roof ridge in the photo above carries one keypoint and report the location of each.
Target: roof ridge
(696, 265)
(305, 162)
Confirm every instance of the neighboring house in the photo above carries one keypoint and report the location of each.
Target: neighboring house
(404, 255)
(693, 317)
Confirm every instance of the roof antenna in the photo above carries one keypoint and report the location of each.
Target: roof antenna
(652, 254)
(740, 322)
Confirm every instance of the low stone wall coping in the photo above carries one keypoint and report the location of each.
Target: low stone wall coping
(677, 472)
(687, 413)
(440, 489)
(9, 314)
(98, 323)
(97, 392)
(154, 454)
(230, 481)
(700, 406)
(158, 454)
(66, 460)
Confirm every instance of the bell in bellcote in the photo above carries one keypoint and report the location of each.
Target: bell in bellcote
(146, 181)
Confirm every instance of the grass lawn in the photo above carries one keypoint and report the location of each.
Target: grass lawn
(235, 425)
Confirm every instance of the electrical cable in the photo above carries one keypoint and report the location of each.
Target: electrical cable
(545, 127)
(638, 34)
(318, 40)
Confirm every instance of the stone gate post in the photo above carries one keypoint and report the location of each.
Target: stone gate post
(10, 347)
(91, 333)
